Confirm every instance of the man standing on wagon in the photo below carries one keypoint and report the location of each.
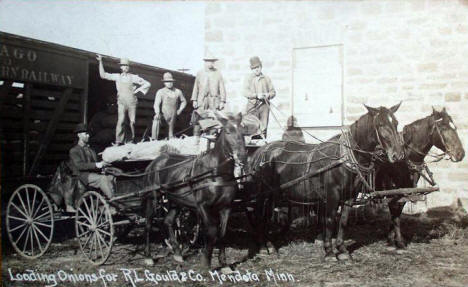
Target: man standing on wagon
(208, 93)
(126, 95)
(166, 100)
(258, 90)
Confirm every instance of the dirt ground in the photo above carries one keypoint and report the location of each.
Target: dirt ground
(436, 255)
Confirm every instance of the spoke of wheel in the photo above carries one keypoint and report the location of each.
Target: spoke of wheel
(102, 239)
(17, 208)
(28, 202)
(17, 218)
(81, 232)
(91, 204)
(82, 212)
(96, 210)
(85, 224)
(95, 246)
(27, 239)
(105, 232)
(33, 201)
(40, 217)
(17, 227)
(89, 212)
(22, 202)
(99, 243)
(40, 232)
(87, 241)
(37, 238)
(21, 236)
(42, 224)
(39, 208)
(32, 243)
(102, 224)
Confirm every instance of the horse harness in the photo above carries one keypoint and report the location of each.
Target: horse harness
(346, 158)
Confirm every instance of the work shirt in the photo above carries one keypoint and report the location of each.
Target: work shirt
(166, 101)
(125, 84)
(257, 85)
(209, 83)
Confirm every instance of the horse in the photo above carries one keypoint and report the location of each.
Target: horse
(204, 183)
(437, 129)
(325, 174)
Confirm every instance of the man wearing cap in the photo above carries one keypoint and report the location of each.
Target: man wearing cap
(209, 92)
(166, 100)
(259, 90)
(126, 95)
(85, 161)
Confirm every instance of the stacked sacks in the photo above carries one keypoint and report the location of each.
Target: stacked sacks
(150, 150)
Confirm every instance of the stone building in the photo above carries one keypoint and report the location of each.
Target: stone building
(352, 53)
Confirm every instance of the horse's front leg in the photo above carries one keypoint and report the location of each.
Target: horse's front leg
(211, 231)
(330, 225)
(224, 215)
(169, 223)
(394, 236)
(343, 253)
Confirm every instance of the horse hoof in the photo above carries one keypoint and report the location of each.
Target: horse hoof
(401, 251)
(178, 258)
(344, 257)
(330, 258)
(391, 248)
(149, 262)
(400, 245)
(227, 270)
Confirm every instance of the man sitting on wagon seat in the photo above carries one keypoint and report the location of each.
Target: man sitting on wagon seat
(85, 161)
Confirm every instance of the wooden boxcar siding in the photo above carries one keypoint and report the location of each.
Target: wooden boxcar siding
(22, 133)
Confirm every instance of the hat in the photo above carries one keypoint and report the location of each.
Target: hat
(167, 77)
(80, 128)
(209, 56)
(124, 62)
(255, 62)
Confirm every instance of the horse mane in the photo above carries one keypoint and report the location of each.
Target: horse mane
(410, 129)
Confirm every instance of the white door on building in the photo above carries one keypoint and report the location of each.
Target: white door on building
(318, 86)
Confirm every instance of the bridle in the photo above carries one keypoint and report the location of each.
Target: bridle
(439, 157)
(380, 150)
(228, 152)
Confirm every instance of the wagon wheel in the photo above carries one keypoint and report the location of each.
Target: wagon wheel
(94, 227)
(30, 221)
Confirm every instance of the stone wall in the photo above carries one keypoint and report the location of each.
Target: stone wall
(411, 51)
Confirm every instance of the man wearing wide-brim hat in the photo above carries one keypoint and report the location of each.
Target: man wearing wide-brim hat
(258, 90)
(166, 101)
(84, 159)
(209, 92)
(126, 84)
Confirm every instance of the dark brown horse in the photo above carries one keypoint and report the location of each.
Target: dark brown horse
(437, 130)
(204, 183)
(284, 170)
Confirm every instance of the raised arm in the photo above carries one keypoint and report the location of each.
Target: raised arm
(102, 72)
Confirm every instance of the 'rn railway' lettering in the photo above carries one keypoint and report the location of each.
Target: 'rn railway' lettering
(26, 75)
